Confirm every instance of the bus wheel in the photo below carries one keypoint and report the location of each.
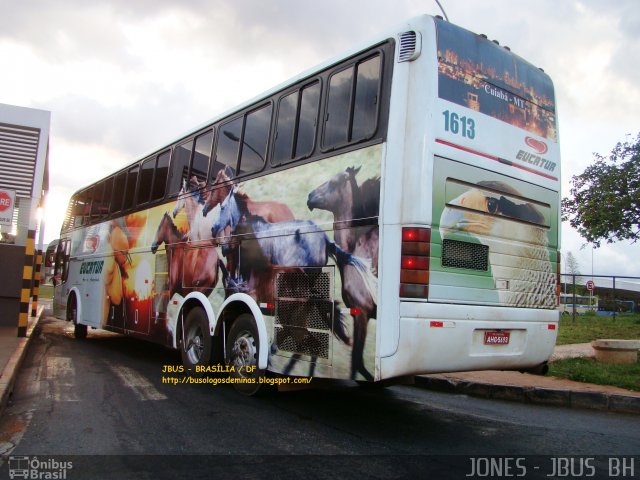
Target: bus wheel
(195, 346)
(79, 331)
(243, 347)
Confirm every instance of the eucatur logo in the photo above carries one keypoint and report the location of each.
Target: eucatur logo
(537, 145)
(5, 201)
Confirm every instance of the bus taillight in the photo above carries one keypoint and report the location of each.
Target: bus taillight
(414, 266)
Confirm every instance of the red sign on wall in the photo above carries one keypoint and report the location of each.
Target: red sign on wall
(7, 204)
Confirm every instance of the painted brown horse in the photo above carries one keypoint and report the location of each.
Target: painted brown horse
(270, 211)
(193, 266)
(355, 210)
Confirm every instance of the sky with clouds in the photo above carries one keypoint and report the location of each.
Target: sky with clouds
(124, 77)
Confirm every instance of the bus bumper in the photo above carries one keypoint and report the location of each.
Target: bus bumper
(437, 338)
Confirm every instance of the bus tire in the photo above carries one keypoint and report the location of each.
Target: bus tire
(79, 331)
(243, 348)
(541, 369)
(195, 345)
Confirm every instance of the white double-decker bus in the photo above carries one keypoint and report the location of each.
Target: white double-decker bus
(391, 212)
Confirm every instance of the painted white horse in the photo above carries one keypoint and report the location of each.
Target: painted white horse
(192, 203)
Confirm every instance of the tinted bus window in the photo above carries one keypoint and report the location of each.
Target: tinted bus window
(200, 163)
(255, 140)
(228, 146)
(180, 166)
(96, 203)
(285, 127)
(336, 128)
(296, 124)
(118, 192)
(365, 110)
(108, 192)
(130, 191)
(160, 178)
(146, 180)
(308, 120)
(81, 206)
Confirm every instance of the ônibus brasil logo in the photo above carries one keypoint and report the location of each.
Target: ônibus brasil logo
(537, 145)
(5, 201)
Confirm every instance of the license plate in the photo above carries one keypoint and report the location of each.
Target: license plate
(496, 338)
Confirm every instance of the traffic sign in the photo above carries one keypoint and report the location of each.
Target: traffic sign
(7, 204)
(591, 286)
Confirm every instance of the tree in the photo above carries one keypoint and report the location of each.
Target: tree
(572, 270)
(572, 265)
(605, 198)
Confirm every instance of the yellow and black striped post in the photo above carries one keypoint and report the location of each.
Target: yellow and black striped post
(36, 284)
(25, 293)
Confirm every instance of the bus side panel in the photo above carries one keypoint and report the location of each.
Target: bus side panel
(305, 249)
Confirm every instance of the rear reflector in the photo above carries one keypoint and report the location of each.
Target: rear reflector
(436, 324)
(410, 290)
(414, 262)
(551, 326)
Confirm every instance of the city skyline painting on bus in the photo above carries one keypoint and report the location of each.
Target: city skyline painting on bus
(502, 86)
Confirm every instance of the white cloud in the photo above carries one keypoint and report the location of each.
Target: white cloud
(122, 78)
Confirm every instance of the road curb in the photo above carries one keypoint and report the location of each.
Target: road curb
(10, 372)
(537, 395)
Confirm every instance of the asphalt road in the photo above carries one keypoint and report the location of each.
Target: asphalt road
(101, 404)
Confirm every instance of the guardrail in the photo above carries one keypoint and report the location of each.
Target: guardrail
(599, 294)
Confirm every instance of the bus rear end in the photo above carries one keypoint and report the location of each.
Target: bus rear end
(479, 227)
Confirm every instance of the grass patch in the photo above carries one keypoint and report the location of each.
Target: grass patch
(45, 291)
(590, 371)
(587, 328)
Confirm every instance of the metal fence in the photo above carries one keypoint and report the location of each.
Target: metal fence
(599, 295)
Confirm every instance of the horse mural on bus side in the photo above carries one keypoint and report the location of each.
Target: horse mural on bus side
(260, 237)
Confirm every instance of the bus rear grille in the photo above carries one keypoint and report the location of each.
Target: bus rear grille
(472, 256)
(304, 311)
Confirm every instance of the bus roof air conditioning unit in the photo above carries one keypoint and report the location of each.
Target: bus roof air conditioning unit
(410, 46)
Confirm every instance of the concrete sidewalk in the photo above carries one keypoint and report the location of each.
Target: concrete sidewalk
(528, 388)
(12, 352)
